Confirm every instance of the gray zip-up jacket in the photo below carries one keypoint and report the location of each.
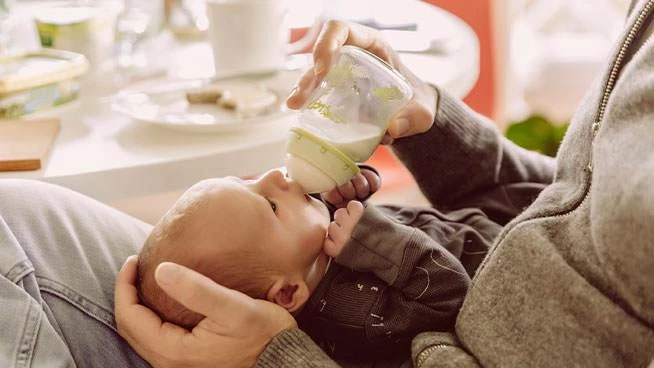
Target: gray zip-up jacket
(570, 281)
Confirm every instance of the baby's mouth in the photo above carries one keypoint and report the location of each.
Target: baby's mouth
(318, 203)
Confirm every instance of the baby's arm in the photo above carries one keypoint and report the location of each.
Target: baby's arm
(426, 282)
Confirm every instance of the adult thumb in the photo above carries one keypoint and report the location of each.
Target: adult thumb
(198, 292)
(413, 119)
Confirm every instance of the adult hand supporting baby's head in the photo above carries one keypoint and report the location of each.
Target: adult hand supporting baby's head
(416, 117)
(234, 332)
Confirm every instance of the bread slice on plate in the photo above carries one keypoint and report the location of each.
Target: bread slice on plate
(244, 99)
(208, 94)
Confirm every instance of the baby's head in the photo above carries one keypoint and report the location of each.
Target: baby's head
(262, 237)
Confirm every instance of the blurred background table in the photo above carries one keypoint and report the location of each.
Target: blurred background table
(108, 156)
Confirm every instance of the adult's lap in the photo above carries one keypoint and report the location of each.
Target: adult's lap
(59, 254)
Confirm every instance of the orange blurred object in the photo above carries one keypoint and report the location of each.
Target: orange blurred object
(480, 15)
(483, 98)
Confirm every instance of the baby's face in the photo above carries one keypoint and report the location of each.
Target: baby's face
(272, 215)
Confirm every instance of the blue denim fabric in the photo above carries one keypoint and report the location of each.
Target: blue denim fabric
(59, 254)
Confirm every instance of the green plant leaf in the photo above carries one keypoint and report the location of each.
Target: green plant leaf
(537, 133)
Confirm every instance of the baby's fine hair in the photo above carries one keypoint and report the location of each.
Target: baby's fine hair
(173, 241)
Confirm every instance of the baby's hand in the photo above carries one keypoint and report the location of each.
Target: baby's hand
(340, 230)
(362, 186)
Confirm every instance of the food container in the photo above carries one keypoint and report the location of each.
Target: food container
(37, 80)
(88, 30)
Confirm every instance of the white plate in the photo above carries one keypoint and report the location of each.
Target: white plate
(163, 103)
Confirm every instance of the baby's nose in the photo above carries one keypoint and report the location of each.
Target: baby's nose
(292, 183)
(277, 178)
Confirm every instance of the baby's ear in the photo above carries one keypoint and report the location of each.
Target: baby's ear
(289, 295)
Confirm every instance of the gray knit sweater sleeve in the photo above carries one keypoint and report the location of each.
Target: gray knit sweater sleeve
(293, 348)
(464, 161)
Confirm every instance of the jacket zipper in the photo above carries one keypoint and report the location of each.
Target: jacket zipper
(608, 88)
(617, 64)
(422, 357)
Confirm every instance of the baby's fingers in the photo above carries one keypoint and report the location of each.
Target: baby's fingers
(341, 216)
(354, 211)
(361, 187)
(330, 248)
(372, 179)
(347, 191)
(347, 217)
(340, 195)
(335, 240)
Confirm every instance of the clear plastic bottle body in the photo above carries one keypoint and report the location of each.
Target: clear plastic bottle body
(352, 106)
(345, 117)
(358, 141)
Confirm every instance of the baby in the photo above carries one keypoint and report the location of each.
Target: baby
(357, 278)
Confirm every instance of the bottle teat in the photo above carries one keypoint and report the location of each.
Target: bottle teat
(315, 164)
(312, 179)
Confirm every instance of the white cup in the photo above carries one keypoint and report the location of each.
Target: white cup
(251, 36)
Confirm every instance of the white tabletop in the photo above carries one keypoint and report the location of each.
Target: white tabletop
(108, 156)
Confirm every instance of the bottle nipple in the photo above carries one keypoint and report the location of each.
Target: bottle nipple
(312, 179)
(316, 164)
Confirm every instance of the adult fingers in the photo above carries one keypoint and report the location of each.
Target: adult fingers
(202, 295)
(336, 33)
(136, 323)
(416, 117)
(126, 303)
(299, 95)
(125, 292)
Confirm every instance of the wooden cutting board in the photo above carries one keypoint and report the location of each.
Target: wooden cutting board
(24, 144)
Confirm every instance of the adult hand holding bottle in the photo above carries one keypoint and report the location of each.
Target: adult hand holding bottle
(416, 117)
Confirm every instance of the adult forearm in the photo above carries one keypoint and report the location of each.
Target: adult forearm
(464, 153)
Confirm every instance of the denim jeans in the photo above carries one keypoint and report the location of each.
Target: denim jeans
(59, 254)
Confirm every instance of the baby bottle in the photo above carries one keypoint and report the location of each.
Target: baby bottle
(344, 120)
